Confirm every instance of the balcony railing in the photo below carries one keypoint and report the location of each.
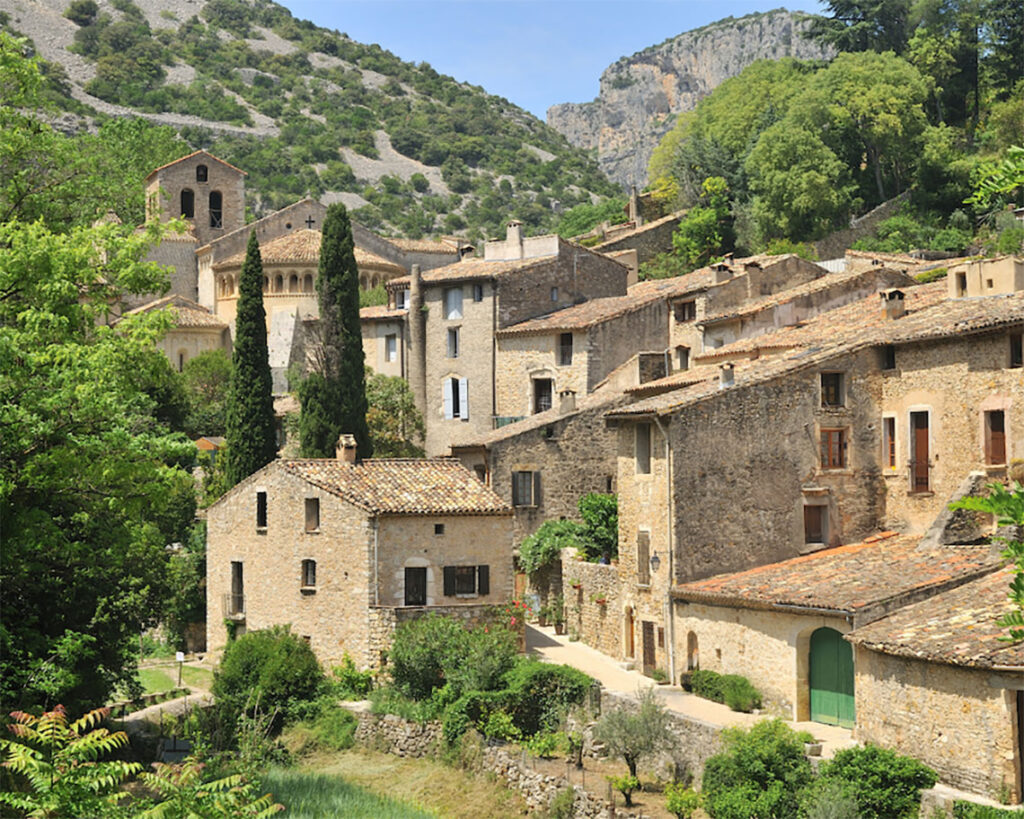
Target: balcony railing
(504, 420)
(234, 606)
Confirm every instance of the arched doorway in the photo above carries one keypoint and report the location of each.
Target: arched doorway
(831, 678)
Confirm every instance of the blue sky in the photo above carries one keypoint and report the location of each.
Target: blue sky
(532, 52)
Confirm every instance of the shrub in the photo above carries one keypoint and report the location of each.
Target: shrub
(499, 725)
(600, 514)
(540, 694)
(633, 735)
(759, 773)
(681, 801)
(488, 654)
(625, 785)
(469, 711)
(829, 799)
(272, 668)
(82, 12)
(561, 807)
(884, 784)
(707, 684)
(422, 650)
(972, 810)
(329, 729)
(351, 683)
(731, 689)
(544, 547)
(544, 744)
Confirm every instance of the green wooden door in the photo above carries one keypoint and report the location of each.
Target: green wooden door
(831, 664)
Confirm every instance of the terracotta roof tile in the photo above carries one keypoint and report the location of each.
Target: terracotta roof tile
(846, 579)
(381, 312)
(187, 312)
(435, 486)
(446, 248)
(581, 316)
(189, 156)
(302, 246)
(956, 627)
(475, 269)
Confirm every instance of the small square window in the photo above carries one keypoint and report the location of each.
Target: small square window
(312, 514)
(526, 488)
(832, 390)
(889, 357)
(438, 528)
(685, 311)
(554, 294)
(261, 510)
(643, 449)
(308, 573)
(989, 283)
(478, 292)
(1016, 350)
(465, 579)
(682, 358)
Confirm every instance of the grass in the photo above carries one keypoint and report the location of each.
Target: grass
(306, 794)
(196, 677)
(154, 680)
(435, 788)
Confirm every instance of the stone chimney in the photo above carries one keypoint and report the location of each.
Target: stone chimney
(417, 341)
(567, 401)
(726, 375)
(720, 272)
(514, 239)
(346, 448)
(892, 303)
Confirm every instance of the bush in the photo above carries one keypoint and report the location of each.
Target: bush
(422, 650)
(499, 725)
(544, 547)
(540, 694)
(468, 711)
(731, 689)
(829, 799)
(884, 784)
(272, 668)
(760, 772)
(972, 810)
(707, 684)
(351, 683)
(326, 728)
(544, 744)
(625, 785)
(681, 801)
(561, 806)
(634, 735)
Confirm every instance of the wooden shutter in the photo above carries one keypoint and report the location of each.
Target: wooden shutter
(643, 558)
(449, 581)
(446, 397)
(995, 434)
(536, 488)
(483, 579)
(464, 398)
(515, 489)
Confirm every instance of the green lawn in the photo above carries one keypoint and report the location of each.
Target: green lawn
(195, 677)
(155, 680)
(313, 795)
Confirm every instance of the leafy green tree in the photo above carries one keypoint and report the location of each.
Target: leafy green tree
(706, 230)
(760, 772)
(584, 217)
(600, 534)
(250, 430)
(996, 179)
(396, 426)
(864, 25)
(634, 735)
(82, 12)
(333, 396)
(1008, 508)
(884, 784)
(801, 188)
(543, 547)
(59, 763)
(207, 378)
(186, 586)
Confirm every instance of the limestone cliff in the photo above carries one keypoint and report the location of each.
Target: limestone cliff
(640, 95)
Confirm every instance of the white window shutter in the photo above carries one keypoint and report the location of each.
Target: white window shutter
(446, 393)
(457, 303)
(464, 399)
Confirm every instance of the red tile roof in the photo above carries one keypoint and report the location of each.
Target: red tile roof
(957, 627)
(302, 246)
(399, 486)
(581, 316)
(187, 313)
(208, 155)
(381, 312)
(848, 580)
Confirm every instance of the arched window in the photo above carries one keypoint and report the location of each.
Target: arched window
(278, 283)
(363, 283)
(216, 209)
(188, 203)
(293, 283)
(201, 173)
(692, 652)
(374, 282)
(308, 573)
(266, 284)
(182, 358)
(307, 283)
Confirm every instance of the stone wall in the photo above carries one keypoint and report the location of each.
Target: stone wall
(959, 721)
(648, 240)
(164, 188)
(178, 253)
(835, 244)
(597, 624)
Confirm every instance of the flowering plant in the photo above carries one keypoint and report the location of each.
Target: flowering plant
(517, 611)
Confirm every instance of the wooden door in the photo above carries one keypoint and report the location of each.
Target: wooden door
(919, 457)
(629, 627)
(648, 638)
(415, 586)
(995, 433)
(831, 673)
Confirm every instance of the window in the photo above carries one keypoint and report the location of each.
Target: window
(889, 357)
(889, 442)
(526, 488)
(1016, 350)
(995, 437)
(391, 347)
(682, 358)
(181, 360)
(478, 292)
(308, 573)
(565, 349)
(833, 448)
(685, 311)
(542, 394)
(961, 284)
(216, 210)
(920, 458)
(453, 342)
(188, 203)
(312, 514)
(554, 294)
(415, 586)
(815, 524)
(467, 581)
(293, 283)
(202, 174)
(643, 449)
(455, 398)
(307, 283)
(261, 510)
(832, 390)
(453, 303)
(643, 558)
(438, 528)
(402, 300)
(236, 600)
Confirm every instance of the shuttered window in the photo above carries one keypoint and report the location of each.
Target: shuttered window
(455, 398)
(833, 448)
(453, 303)
(466, 580)
(643, 558)
(526, 488)
(889, 442)
(995, 437)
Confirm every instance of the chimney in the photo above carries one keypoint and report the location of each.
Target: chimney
(514, 239)
(417, 340)
(346, 448)
(567, 401)
(892, 303)
(720, 272)
(726, 376)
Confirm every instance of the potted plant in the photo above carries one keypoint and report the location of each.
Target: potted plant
(600, 599)
(558, 614)
(575, 583)
(543, 612)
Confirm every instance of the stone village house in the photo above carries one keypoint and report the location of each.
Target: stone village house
(343, 551)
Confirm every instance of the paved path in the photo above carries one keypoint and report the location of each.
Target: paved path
(550, 647)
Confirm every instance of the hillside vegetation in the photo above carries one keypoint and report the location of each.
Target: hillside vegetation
(308, 111)
(924, 99)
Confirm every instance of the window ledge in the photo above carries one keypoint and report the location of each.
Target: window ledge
(312, 531)
(891, 473)
(307, 589)
(808, 548)
(644, 586)
(261, 530)
(467, 596)
(926, 494)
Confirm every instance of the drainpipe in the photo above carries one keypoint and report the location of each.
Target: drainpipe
(670, 622)
(375, 524)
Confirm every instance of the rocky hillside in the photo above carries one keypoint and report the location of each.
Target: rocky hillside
(309, 111)
(641, 95)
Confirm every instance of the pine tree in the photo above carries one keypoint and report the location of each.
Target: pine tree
(250, 407)
(333, 396)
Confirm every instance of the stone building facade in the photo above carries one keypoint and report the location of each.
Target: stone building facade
(327, 545)
(195, 330)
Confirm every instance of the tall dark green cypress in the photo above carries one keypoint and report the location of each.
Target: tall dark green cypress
(250, 406)
(333, 396)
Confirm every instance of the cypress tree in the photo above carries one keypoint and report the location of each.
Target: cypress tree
(250, 430)
(333, 396)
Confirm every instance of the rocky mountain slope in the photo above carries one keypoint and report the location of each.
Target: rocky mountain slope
(309, 111)
(641, 95)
